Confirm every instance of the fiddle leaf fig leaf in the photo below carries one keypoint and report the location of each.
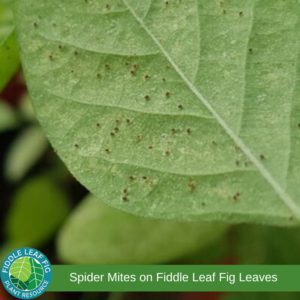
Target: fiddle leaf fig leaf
(96, 233)
(190, 106)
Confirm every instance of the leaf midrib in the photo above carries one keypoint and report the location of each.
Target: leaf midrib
(283, 195)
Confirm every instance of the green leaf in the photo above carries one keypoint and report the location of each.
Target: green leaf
(37, 210)
(21, 269)
(8, 119)
(26, 150)
(9, 55)
(96, 233)
(267, 245)
(191, 105)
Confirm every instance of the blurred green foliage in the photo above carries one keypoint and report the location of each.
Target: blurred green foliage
(96, 233)
(9, 57)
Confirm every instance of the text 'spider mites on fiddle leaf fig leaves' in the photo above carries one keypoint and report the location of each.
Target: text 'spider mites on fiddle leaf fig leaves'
(180, 110)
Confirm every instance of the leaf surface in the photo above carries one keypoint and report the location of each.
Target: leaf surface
(96, 233)
(193, 106)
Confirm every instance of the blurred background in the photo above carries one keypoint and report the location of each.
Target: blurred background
(43, 206)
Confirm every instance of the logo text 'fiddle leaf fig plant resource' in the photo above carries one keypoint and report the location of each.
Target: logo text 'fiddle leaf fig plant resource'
(172, 109)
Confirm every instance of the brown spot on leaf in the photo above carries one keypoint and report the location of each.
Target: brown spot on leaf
(262, 157)
(192, 186)
(236, 197)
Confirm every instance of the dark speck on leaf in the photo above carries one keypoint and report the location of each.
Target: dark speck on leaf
(168, 94)
(112, 134)
(262, 157)
(128, 121)
(241, 13)
(107, 6)
(144, 177)
(168, 153)
(107, 66)
(203, 204)
(76, 53)
(250, 50)
(192, 186)
(131, 178)
(237, 162)
(236, 197)
(116, 129)
(180, 107)
(98, 125)
(107, 150)
(147, 97)
(299, 125)
(35, 25)
(76, 146)
(150, 147)
(189, 131)
(125, 199)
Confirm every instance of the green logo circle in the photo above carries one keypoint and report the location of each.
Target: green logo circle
(26, 273)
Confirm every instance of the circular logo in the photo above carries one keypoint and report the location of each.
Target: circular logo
(26, 273)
